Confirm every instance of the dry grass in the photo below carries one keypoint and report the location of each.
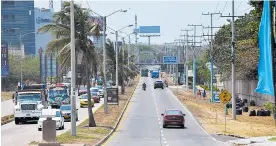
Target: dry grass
(105, 123)
(7, 119)
(6, 95)
(244, 126)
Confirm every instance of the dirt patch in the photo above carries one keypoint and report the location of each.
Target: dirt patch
(211, 116)
(6, 95)
(7, 119)
(105, 122)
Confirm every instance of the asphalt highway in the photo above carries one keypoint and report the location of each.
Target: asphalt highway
(142, 122)
(21, 135)
(7, 107)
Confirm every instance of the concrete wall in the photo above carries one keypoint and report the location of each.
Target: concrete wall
(245, 89)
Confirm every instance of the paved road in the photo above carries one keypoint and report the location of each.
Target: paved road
(7, 107)
(21, 135)
(142, 123)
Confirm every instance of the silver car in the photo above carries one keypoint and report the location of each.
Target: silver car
(66, 111)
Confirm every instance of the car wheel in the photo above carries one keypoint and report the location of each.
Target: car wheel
(16, 121)
(162, 87)
(39, 129)
(77, 119)
(182, 126)
(60, 128)
(63, 126)
(154, 88)
(164, 126)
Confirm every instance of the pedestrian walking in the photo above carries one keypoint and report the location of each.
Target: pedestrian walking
(198, 94)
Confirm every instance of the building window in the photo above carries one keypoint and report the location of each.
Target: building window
(5, 17)
(13, 17)
(7, 2)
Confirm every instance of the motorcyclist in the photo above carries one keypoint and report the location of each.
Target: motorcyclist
(144, 85)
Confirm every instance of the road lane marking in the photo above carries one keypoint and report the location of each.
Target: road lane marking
(165, 142)
(189, 112)
(162, 134)
(159, 122)
(164, 138)
(161, 131)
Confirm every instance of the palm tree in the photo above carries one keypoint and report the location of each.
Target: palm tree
(85, 49)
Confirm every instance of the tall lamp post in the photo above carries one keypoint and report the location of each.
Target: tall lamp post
(21, 56)
(104, 53)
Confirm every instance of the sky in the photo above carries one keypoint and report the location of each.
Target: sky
(171, 16)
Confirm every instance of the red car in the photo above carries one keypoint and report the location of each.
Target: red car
(173, 117)
(82, 90)
(96, 97)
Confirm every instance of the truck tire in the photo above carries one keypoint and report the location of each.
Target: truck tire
(39, 129)
(16, 121)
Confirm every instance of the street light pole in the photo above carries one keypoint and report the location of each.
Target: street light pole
(73, 70)
(21, 57)
(116, 49)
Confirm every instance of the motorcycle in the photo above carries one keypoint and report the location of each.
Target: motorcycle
(144, 88)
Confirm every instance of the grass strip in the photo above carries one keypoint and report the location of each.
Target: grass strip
(7, 119)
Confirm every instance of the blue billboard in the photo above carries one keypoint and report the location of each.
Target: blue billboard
(4, 59)
(149, 29)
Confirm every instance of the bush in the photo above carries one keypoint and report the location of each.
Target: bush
(269, 106)
(206, 87)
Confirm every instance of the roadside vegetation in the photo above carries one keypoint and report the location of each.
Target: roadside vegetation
(7, 119)
(6, 95)
(105, 122)
(211, 117)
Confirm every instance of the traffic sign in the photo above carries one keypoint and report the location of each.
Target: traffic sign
(225, 96)
(170, 60)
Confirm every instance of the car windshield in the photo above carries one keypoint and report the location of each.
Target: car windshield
(84, 96)
(94, 94)
(83, 88)
(65, 108)
(100, 87)
(158, 82)
(57, 92)
(94, 90)
(29, 97)
(173, 112)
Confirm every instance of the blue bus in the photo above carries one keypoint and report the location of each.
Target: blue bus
(155, 74)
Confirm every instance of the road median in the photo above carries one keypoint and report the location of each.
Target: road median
(212, 118)
(106, 123)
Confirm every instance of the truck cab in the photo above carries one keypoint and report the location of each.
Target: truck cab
(29, 102)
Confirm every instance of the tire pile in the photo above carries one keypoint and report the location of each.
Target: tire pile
(242, 106)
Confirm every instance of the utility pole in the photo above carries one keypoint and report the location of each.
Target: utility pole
(123, 61)
(186, 57)
(211, 54)
(128, 51)
(117, 66)
(73, 71)
(233, 54)
(194, 55)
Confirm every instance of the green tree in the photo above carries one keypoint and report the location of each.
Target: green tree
(85, 49)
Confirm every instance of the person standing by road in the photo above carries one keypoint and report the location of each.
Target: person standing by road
(204, 94)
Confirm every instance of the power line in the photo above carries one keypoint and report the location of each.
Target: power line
(217, 6)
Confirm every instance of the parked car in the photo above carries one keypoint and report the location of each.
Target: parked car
(56, 115)
(173, 117)
(66, 111)
(84, 101)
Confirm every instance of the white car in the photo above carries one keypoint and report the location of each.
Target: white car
(101, 91)
(94, 89)
(56, 115)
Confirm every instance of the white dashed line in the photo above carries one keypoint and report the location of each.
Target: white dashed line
(159, 119)
(162, 134)
(161, 131)
(164, 138)
(165, 141)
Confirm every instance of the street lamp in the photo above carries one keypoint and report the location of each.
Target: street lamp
(104, 53)
(117, 62)
(21, 56)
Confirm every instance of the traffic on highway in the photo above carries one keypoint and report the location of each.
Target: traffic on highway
(156, 117)
(31, 107)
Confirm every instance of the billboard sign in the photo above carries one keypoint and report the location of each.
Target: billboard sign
(112, 96)
(149, 29)
(96, 19)
(4, 59)
(169, 60)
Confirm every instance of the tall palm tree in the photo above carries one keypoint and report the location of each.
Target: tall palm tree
(60, 29)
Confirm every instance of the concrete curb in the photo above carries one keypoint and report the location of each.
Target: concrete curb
(118, 121)
(232, 135)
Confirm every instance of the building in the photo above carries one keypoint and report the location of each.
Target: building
(18, 20)
(48, 63)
